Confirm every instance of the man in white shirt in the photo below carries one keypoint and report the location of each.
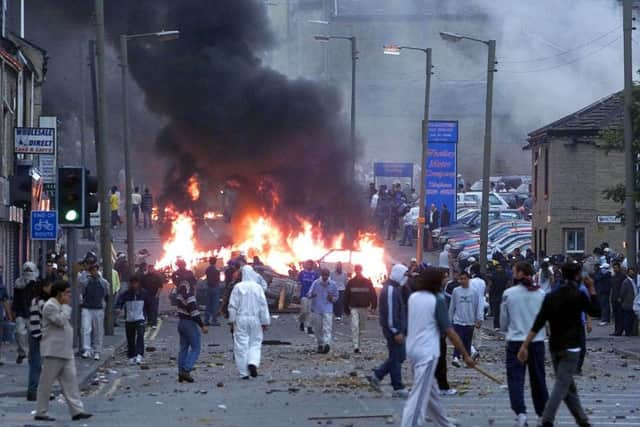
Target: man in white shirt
(478, 284)
(136, 200)
(520, 306)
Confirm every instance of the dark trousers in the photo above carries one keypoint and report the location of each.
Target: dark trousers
(565, 364)
(115, 218)
(618, 318)
(135, 338)
(151, 312)
(495, 312)
(516, 376)
(338, 306)
(393, 364)
(628, 320)
(583, 348)
(213, 304)
(441, 367)
(605, 307)
(35, 364)
(466, 335)
(136, 214)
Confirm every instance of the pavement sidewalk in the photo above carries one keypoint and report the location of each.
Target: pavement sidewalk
(13, 377)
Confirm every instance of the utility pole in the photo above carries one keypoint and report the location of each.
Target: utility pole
(103, 163)
(424, 159)
(72, 255)
(629, 160)
(127, 152)
(354, 60)
(486, 159)
(83, 147)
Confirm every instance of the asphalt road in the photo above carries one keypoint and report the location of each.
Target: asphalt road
(295, 384)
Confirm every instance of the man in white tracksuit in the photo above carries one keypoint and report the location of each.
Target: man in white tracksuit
(248, 318)
(428, 319)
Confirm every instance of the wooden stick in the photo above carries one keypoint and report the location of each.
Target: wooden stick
(347, 417)
(487, 374)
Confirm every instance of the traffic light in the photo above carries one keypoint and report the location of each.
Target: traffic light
(70, 197)
(20, 188)
(90, 197)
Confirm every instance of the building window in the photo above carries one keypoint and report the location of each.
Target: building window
(546, 172)
(536, 156)
(574, 240)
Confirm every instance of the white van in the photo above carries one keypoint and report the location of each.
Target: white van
(474, 199)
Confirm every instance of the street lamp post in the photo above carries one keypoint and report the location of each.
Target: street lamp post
(354, 60)
(486, 160)
(395, 50)
(124, 38)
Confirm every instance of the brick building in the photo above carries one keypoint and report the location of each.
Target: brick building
(570, 170)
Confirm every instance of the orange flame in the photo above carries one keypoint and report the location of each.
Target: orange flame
(193, 187)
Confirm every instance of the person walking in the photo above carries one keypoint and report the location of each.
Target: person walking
(41, 293)
(189, 321)
(134, 300)
(306, 278)
(114, 205)
(602, 279)
(136, 201)
(392, 306)
(466, 314)
(147, 208)
(617, 279)
(94, 296)
(520, 306)
(627, 297)
(152, 281)
(213, 293)
(56, 348)
(427, 321)
(248, 319)
(21, 305)
(499, 280)
(340, 278)
(478, 284)
(323, 294)
(359, 297)
(562, 310)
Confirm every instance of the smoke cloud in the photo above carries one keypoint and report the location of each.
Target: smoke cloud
(228, 116)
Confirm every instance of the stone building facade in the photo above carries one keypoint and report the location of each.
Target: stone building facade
(570, 169)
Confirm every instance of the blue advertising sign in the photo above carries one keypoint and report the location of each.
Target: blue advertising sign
(393, 170)
(443, 131)
(441, 177)
(44, 225)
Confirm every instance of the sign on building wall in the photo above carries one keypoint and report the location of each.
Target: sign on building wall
(34, 140)
(393, 170)
(608, 219)
(442, 165)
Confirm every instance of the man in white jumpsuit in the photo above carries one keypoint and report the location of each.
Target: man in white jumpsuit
(248, 317)
(428, 319)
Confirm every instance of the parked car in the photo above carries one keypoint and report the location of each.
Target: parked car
(474, 199)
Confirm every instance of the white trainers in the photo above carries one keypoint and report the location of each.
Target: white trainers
(96, 356)
(402, 393)
(456, 362)
(603, 323)
(521, 420)
(132, 361)
(86, 354)
(475, 355)
(138, 359)
(450, 392)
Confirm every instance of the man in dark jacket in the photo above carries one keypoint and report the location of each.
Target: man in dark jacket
(602, 279)
(147, 208)
(133, 300)
(213, 293)
(151, 281)
(562, 309)
(616, 285)
(359, 296)
(445, 216)
(627, 296)
(393, 319)
(499, 280)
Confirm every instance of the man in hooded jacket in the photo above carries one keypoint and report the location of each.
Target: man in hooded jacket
(21, 306)
(392, 304)
(248, 318)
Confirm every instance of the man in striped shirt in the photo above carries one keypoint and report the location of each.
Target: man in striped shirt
(189, 321)
(41, 293)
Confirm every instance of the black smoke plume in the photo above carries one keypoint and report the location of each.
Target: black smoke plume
(228, 115)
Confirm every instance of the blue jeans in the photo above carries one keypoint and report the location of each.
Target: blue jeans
(189, 332)
(407, 236)
(338, 306)
(466, 335)
(213, 304)
(393, 364)
(516, 376)
(605, 307)
(35, 364)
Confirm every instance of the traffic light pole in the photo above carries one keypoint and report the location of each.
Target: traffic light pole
(72, 256)
(102, 157)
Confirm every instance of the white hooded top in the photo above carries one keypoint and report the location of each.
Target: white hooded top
(247, 299)
(248, 273)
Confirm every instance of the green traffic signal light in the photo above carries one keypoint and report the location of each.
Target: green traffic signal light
(71, 215)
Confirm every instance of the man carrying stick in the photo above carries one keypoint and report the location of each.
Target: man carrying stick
(562, 309)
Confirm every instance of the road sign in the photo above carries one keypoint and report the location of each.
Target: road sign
(393, 170)
(443, 131)
(44, 225)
